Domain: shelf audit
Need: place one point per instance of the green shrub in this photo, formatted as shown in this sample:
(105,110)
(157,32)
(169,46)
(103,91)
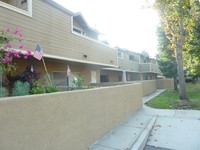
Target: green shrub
(3,92)
(37,88)
(21,88)
(78,80)
(51,89)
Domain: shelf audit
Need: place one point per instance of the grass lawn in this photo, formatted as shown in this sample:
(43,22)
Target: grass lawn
(169,99)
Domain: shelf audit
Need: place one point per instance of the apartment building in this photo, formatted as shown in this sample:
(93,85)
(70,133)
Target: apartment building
(131,67)
(65,37)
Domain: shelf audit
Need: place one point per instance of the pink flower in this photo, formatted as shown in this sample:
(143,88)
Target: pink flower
(28,52)
(25,56)
(21,46)
(16,54)
(21,35)
(8,54)
(17,30)
(8,30)
(8,46)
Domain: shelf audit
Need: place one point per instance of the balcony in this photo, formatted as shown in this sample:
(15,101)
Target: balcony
(129,65)
(149,67)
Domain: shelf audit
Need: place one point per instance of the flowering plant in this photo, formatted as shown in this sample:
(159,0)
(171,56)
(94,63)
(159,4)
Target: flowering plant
(7,52)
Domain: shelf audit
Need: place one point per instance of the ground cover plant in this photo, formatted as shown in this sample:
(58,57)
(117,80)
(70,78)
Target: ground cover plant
(169,99)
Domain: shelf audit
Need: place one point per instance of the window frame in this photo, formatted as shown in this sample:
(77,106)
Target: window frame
(131,57)
(18,10)
(122,55)
(81,32)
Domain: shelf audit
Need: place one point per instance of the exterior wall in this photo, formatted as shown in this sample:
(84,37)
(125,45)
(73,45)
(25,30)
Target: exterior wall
(145,67)
(138,64)
(65,120)
(95,52)
(149,67)
(149,76)
(126,64)
(131,76)
(113,76)
(165,83)
(148,86)
(155,68)
(51,27)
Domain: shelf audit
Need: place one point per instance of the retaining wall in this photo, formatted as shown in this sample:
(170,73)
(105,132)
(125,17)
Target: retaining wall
(65,120)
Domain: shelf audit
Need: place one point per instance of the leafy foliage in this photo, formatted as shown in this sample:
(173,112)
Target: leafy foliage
(192,58)
(78,80)
(37,88)
(166,58)
(28,75)
(51,89)
(3,92)
(21,88)
(178,18)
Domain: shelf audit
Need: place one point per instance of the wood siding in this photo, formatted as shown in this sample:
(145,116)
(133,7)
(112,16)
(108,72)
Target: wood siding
(137,64)
(126,64)
(51,27)
(149,67)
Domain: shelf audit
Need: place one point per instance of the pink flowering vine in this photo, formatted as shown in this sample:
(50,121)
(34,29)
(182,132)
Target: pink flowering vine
(7,53)
(21,46)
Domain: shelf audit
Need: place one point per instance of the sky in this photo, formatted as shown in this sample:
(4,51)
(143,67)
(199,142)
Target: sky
(122,22)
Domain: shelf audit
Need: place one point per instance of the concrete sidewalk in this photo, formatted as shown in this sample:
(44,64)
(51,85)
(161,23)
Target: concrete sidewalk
(154,129)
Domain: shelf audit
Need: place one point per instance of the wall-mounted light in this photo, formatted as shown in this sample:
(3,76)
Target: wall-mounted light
(84,56)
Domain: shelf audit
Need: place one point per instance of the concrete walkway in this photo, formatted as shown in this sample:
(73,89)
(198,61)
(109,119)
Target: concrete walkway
(154,129)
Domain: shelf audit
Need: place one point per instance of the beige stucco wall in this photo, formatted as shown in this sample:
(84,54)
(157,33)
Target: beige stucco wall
(65,120)
(165,83)
(148,86)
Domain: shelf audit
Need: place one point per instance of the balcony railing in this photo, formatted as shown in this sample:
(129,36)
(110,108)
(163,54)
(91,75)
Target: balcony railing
(149,67)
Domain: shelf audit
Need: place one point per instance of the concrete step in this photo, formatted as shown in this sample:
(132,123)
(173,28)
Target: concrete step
(132,134)
(142,140)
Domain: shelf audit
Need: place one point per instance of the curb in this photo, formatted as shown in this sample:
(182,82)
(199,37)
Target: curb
(141,141)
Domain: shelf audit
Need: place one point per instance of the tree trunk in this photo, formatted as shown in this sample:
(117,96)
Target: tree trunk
(182,89)
(179,45)
(175,84)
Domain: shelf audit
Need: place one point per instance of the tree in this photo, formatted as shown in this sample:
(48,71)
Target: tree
(177,24)
(192,58)
(166,58)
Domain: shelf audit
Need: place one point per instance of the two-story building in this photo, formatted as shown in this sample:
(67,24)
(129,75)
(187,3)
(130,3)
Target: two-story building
(65,38)
(132,66)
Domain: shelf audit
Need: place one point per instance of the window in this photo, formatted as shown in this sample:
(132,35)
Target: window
(104,78)
(120,55)
(77,30)
(59,79)
(131,57)
(20,6)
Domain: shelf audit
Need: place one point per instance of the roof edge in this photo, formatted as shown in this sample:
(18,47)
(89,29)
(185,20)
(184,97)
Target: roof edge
(91,28)
(60,7)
